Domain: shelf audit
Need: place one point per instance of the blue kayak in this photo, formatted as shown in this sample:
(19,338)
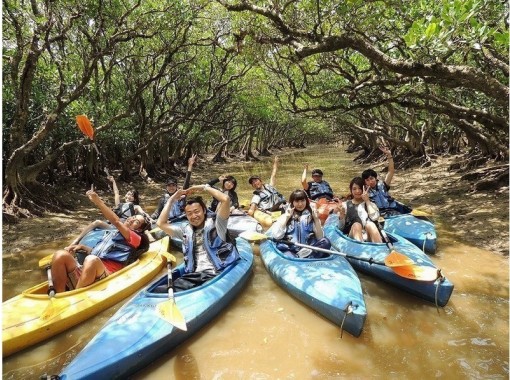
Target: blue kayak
(437,291)
(420,232)
(136,336)
(328,285)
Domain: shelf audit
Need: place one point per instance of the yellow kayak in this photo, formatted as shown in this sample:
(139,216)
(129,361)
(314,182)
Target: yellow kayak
(26,320)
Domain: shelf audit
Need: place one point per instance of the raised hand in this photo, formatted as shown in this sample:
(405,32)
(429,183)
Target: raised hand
(385,150)
(365,195)
(315,213)
(92,195)
(289,212)
(341,210)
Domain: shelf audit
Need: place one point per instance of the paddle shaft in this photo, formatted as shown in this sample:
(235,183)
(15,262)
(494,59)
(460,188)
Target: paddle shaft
(383,235)
(318,249)
(51,288)
(169,283)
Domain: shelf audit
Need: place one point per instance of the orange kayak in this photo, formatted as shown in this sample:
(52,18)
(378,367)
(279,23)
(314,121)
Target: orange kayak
(324,207)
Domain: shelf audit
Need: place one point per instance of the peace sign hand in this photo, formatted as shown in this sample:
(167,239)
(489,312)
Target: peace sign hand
(365,195)
(315,213)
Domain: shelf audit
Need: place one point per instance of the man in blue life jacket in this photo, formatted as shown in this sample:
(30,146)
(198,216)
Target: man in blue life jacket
(266,197)
(118,246)
(378,189)
(206,245)
(317,188)
(171,188)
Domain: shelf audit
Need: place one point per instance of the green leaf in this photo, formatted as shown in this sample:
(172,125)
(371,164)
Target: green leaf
(431,30)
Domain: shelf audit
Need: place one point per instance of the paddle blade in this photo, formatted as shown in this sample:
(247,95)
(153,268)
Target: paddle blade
(169,257)
(422,213)
(414,272)
(163,250)
(396,259)
(85,126)
(169,312)
(54,308)
(45,261)
(253,236)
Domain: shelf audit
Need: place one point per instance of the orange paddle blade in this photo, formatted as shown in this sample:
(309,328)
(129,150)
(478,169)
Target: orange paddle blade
(85,126)
(413,272)
(395,259)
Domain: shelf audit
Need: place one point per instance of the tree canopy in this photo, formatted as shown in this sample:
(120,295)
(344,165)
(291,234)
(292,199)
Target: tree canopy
(161,80)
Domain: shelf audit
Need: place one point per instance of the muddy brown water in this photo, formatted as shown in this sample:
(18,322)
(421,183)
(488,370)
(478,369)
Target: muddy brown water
(266,334)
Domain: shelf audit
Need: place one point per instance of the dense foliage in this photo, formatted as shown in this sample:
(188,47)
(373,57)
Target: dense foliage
(161,80)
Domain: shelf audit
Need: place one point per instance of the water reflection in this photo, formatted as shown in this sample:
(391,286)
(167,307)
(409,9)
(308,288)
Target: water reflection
(266,334)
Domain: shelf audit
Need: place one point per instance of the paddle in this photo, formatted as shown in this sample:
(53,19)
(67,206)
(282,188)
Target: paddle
(410,270)
(394,259)
(86,127)
(403,265)
(420,213)
(168,310)
(56,305)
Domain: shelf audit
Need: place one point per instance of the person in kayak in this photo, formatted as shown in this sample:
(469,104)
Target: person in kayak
(117,247)
(206,244)
(378,189)
(358,215)
(130,207)
(300,224)
(171,188)
(265,197)
(317,188)
(228,186)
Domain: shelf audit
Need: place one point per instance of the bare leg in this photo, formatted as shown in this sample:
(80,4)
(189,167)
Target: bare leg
(62,264)
(373,233)
(93,268)
(356,231)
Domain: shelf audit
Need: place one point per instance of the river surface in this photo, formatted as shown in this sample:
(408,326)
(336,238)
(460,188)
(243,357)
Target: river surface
(266,334)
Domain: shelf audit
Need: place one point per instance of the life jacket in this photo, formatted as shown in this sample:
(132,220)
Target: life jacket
(113,246)
(318,190)
(270,198)
(124,210)
(351,214)
(380,196)
(300,230)
(177,207)
(232,195)
(221,253)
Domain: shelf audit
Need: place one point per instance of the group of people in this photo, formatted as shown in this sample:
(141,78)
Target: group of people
(358,212)
(207,247)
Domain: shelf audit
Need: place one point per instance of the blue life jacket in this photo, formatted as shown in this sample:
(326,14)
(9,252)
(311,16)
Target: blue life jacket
(177,207)
(301,230)
(318,190)
(113,246)
(380,196)
(221,253)
(270,198)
